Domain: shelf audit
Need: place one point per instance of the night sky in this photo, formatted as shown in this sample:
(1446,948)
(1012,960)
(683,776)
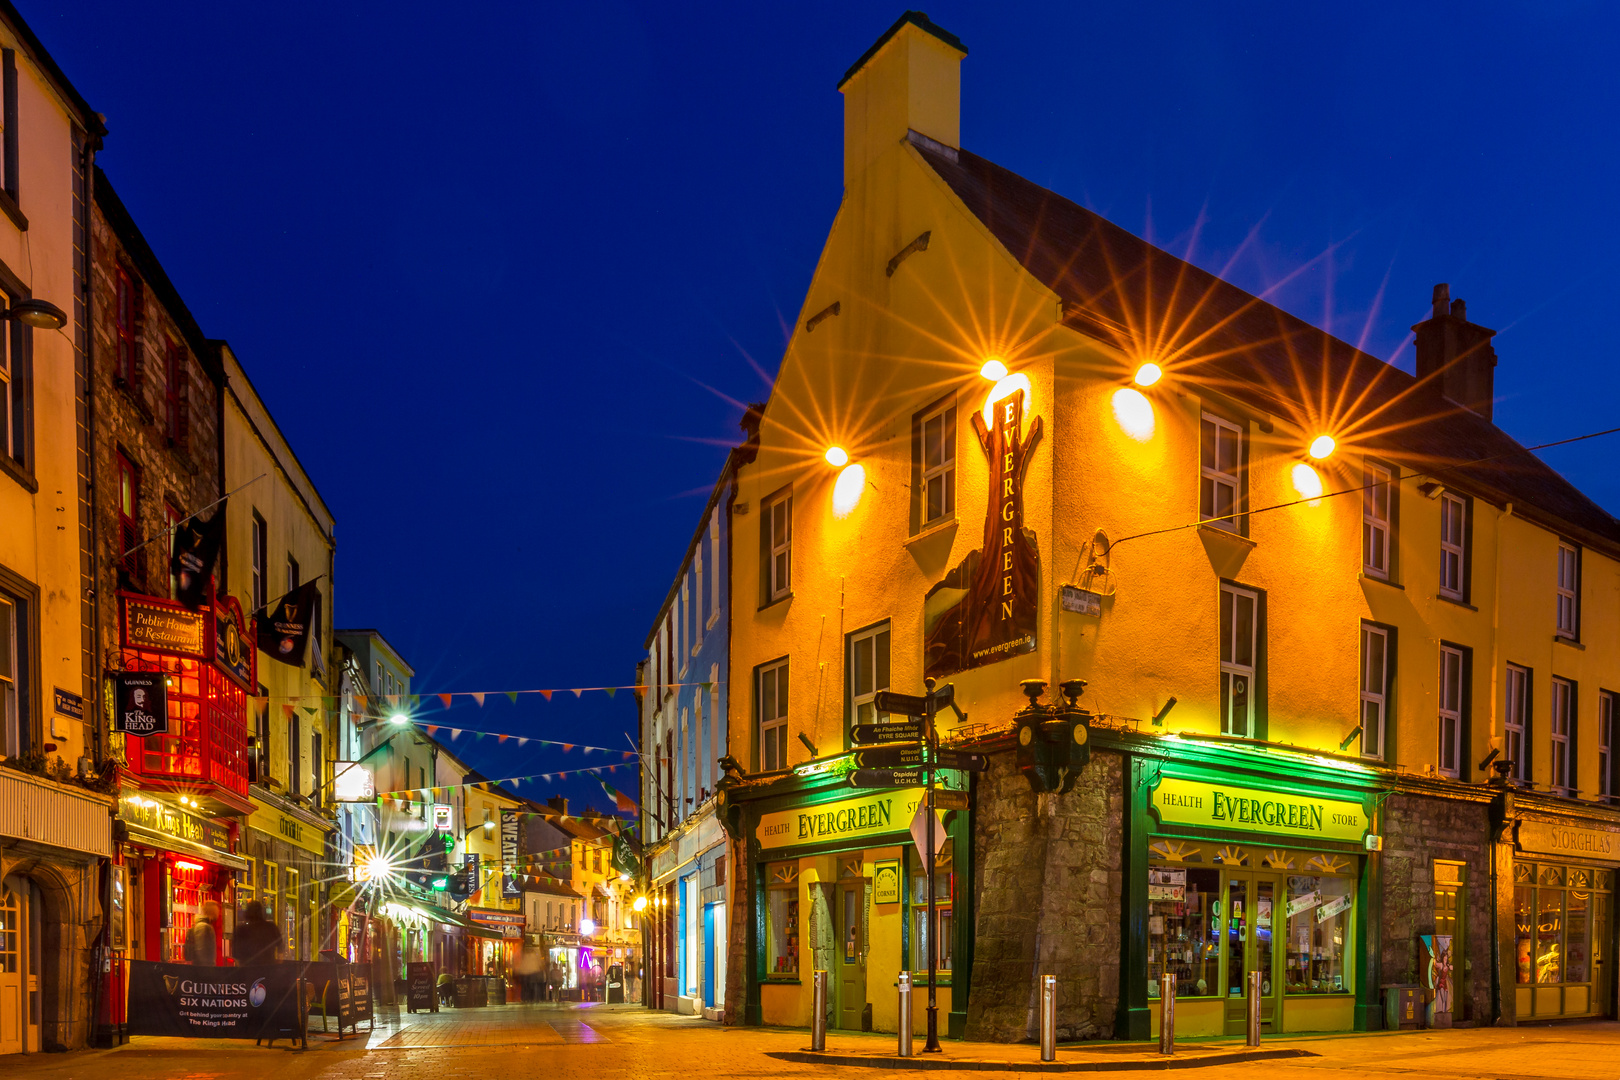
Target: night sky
(505,274)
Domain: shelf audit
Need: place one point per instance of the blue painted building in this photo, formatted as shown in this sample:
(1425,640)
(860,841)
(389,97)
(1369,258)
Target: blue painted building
(683,737)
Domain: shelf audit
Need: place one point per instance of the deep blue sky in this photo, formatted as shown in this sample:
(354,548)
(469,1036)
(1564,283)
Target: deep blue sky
(485,262)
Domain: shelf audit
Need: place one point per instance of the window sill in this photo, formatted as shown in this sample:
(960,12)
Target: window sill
(1454,600)
(714,621)
(13,211)
(1226,534)
(19,474)
(930,531)
(1381,581)
(779,600)
(1560,639)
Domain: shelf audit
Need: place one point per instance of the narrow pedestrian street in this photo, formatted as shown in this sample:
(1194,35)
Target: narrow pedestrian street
(564,1042)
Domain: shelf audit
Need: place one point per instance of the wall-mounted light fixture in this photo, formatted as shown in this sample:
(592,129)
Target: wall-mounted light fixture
(1148,374)
(1322,447)
(40,314)
(994,369)
(1164,711)
(836,456)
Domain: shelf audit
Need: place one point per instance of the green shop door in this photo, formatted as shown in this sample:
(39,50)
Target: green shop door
(849,964)
(1250,914)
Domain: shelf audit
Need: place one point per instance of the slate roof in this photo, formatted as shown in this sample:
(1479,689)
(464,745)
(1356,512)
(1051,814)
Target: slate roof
(1120,288)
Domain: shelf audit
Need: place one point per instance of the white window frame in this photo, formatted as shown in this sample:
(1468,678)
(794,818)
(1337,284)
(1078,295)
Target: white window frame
(1560,735)
(1516,721)
(1211,478)
(10,678)
(1374,691)
(260,544)
(10,436)
(1233,669)
(1450,694)
(779,546)
(714,570)
(1376,522)
(697,600)
(1605,744)
(944,472)
(1568,587)
(773,718)
(1453,545)
(858,697)
(682,603)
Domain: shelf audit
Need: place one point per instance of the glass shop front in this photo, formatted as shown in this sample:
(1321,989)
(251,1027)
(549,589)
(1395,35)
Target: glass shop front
(1279,897)
(1563,920)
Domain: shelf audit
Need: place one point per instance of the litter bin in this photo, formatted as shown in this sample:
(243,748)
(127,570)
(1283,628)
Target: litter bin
(1403,1006)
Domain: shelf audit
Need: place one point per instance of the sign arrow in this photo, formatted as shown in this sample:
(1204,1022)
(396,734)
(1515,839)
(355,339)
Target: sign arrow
(890,757)
(887,701)
(961,759)
(902,731)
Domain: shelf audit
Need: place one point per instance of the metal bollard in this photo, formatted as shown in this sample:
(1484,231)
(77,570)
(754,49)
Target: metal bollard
(1048,1017)
(1254,1009)
(1167,1013)
(818,1011)
(905,1014)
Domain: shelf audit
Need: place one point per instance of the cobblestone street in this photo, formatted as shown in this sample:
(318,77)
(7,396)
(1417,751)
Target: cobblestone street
(546,1042)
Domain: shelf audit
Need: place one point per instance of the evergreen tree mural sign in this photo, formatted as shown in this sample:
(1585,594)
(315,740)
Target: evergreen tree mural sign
(984,610)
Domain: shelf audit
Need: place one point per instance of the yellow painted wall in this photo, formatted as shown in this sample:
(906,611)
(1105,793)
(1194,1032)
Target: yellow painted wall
(297,523)
(39,529)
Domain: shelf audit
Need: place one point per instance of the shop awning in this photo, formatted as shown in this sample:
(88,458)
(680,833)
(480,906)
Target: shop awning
(475,930)
(180,846)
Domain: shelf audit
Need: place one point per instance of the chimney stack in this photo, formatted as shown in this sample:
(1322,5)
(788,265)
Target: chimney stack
(558,803)
(910,80)
(1454,357)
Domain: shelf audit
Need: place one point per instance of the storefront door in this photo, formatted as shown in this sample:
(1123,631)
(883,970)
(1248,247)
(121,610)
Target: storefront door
(19,966)
(851,957)
(1250,913)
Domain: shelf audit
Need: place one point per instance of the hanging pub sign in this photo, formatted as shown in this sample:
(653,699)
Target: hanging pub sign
(985,608)
(511,853)
(284,633)
(231,654)
(163,627)
(142,703)
(196,546)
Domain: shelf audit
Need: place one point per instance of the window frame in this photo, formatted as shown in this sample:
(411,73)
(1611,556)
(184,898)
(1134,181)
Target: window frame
(1373,526)
(126,307)
(173,516)
(1457,713)
(1524,700)
(259,543)
(127,477)
(1231,668)
(173,396)
(773,590)
(17,403)
(1381,695)
(765,728)
(853,698)
(944,411)
(1561,743)
(1457,550)
(11,168)
(16,705)
(1608,717)
(1568,595)
(1211,474)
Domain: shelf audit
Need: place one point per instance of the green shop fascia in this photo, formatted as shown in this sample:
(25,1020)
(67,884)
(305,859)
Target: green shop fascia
(1239,859)
(835,882)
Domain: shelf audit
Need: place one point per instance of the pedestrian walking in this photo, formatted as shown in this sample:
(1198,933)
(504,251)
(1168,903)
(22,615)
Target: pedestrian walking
(257,941)
(202,940)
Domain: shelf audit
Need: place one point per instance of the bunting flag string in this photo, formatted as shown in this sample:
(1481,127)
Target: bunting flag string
(432,793)
(522,740)
(478,696)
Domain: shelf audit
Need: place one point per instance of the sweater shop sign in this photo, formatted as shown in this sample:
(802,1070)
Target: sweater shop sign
(985,608)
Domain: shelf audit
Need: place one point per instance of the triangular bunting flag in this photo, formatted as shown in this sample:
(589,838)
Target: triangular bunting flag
(546,694)
(610,690)
(455,733)
(501,739)
(511,695)
(431,729)
(579,693)
(445,698)
(416,699)
(312,709)
(480,699)
(522,741)
(289,711)
(567,746)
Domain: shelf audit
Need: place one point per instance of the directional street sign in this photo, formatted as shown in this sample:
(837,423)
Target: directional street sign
(901,731)
(890,757)
(950,800)
(961,759)
(888,778)
(887,701)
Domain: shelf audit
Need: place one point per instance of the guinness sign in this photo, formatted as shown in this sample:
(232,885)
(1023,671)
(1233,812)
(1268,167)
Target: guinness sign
(143,703)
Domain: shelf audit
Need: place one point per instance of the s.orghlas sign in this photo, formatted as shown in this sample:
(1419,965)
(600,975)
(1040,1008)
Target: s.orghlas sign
(985,608)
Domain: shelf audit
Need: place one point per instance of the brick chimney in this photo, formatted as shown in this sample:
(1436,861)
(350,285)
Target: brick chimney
(1459,351)
(558,803)
(911,79)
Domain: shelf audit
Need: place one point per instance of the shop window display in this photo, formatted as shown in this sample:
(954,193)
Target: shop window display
(917,901)
(1561,916)
(1318,929)
(1183,917)
(782,918)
